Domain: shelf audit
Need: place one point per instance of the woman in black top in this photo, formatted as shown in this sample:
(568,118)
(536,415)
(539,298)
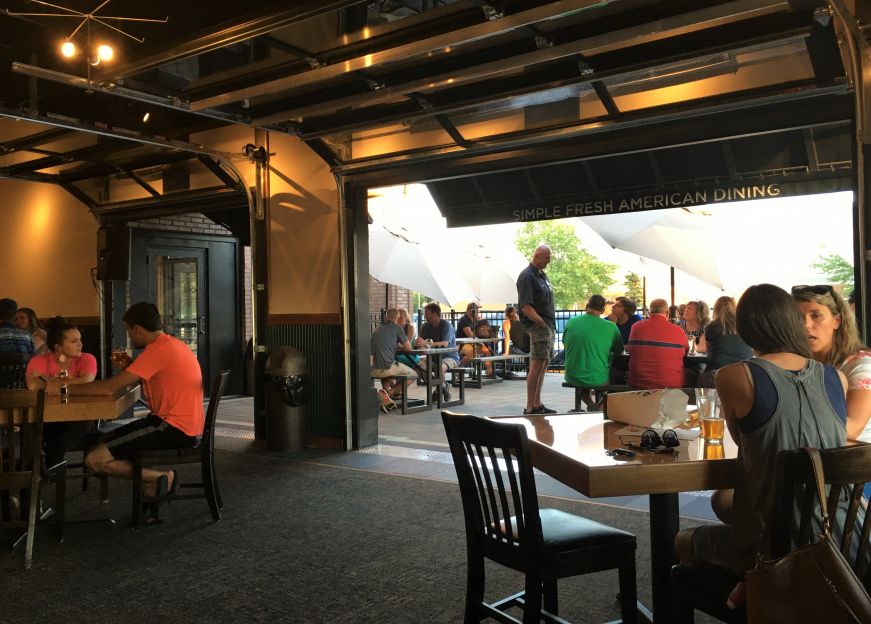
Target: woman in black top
(721,341)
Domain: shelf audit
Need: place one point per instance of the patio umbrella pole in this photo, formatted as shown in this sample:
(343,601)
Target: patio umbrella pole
(672,286)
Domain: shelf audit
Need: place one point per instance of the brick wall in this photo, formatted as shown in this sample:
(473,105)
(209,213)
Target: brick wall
(383,296)
(194,222)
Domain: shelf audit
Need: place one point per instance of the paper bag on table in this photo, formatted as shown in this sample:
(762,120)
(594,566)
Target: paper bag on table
(661,409)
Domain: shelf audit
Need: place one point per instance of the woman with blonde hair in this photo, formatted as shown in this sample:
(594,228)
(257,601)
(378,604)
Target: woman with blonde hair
(696,316)
(721,341)
(834,340)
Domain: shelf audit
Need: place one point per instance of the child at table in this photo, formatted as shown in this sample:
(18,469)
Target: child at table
(469,351)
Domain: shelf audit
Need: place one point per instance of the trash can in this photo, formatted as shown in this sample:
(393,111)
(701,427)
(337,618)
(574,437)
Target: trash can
(287,392)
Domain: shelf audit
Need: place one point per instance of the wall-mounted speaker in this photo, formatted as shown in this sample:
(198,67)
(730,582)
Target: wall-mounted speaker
(113,253)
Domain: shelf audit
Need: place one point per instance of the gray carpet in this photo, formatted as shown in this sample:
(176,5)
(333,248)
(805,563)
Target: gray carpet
(299,542)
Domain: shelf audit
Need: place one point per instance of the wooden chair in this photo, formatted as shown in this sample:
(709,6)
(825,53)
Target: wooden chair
(21,468)
(203,453)
(505,524)
(847,470)
(12,376)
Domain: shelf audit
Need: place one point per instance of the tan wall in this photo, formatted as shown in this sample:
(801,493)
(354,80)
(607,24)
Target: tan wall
(48,244)
(304,259)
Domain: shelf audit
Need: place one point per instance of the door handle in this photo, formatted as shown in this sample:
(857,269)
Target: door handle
(202,325)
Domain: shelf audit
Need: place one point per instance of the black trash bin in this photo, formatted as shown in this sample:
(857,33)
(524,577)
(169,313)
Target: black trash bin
(287,392)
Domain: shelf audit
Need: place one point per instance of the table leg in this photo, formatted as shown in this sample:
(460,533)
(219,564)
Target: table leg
(429,364)
(437,362)
(664,524)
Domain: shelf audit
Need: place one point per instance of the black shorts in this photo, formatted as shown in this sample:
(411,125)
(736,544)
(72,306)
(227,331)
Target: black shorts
(145,434)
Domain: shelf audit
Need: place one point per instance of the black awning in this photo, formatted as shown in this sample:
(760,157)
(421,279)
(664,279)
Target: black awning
(794,162)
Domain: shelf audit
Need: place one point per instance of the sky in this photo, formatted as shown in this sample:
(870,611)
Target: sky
(769,240)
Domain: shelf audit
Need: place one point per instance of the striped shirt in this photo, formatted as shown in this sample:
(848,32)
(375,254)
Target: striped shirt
(656,351)
(16,345)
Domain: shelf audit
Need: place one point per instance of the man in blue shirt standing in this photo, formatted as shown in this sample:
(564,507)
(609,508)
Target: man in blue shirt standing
(535,297)
(442,334)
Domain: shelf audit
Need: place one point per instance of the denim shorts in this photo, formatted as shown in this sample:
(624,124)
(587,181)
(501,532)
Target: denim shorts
(541,342)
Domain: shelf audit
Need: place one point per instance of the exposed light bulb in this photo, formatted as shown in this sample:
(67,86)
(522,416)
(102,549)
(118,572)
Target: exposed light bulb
(68,49)
(146,117)
(105,52)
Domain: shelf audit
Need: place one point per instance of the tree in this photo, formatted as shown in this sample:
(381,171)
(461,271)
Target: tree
(634,290)
(574,273)
(836,269)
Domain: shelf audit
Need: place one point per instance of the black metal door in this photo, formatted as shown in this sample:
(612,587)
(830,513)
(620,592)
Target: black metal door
(177,284)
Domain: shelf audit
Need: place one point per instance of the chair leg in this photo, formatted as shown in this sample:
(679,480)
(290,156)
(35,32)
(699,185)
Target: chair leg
(684,611)
(104,488)
(208,476)
(532,599)
(628,590)
(474,587)
(137,493)
(551,596)
(217,489)
(31,524)
(60,504)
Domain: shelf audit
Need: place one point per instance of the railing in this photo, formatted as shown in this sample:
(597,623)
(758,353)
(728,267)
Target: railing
(495,318)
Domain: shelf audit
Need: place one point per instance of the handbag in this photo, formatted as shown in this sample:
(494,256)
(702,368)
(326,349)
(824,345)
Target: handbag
(814,583)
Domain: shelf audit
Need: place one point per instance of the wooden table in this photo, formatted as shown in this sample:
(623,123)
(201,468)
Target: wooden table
(571,449)
(90,407)
(433,357)
(689,360)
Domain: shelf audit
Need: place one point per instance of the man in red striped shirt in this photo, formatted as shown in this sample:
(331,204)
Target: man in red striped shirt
(656,350)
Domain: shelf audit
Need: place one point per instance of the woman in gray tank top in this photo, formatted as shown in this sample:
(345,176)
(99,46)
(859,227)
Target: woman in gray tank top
(781,400)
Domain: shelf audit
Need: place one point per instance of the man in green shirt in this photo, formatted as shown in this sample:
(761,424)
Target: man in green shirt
(591,343)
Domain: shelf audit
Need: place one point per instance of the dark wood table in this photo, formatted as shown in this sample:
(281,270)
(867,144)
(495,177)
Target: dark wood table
(433,357)
(689,360)
(571,449)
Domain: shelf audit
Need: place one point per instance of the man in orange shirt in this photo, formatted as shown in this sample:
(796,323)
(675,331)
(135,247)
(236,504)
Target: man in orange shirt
(173,386)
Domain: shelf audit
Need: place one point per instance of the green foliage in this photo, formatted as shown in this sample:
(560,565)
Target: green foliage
(836,269)
(634,289)
(574,273)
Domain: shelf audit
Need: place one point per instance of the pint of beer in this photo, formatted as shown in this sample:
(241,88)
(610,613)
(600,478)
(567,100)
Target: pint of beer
(710,418)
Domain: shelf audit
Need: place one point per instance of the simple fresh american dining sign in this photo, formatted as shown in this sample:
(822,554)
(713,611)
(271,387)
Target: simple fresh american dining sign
(652,201)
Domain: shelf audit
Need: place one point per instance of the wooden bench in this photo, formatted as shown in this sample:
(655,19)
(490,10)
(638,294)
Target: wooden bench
(478,379)
(599,393)
(406,405)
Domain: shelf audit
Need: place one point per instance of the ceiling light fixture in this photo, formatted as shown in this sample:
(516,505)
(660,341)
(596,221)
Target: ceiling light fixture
(103,52)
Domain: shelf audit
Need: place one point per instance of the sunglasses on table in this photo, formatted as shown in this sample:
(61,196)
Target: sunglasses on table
(651,441)
(820,289)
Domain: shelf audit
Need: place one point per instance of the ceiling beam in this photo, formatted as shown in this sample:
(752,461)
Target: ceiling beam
(260,23)
(32,140)
(623,39)
(667,128)
(373,60)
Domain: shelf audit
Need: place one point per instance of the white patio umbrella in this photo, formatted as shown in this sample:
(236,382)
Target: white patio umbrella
(676,237)
(425,267)
(492,278)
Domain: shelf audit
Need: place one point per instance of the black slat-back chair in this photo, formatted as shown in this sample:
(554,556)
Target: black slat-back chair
(846,471)
(505,524)
(12,376)
(21,469)
(203,453)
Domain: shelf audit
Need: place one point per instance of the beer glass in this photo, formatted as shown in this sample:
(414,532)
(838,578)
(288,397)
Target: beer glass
(713,426)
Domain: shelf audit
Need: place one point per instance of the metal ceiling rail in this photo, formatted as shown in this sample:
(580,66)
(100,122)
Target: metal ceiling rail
(70,123)
(358,120)
(266,21)
(550,11)
(23,144)
(678,116)
(78,82)
(720,15)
